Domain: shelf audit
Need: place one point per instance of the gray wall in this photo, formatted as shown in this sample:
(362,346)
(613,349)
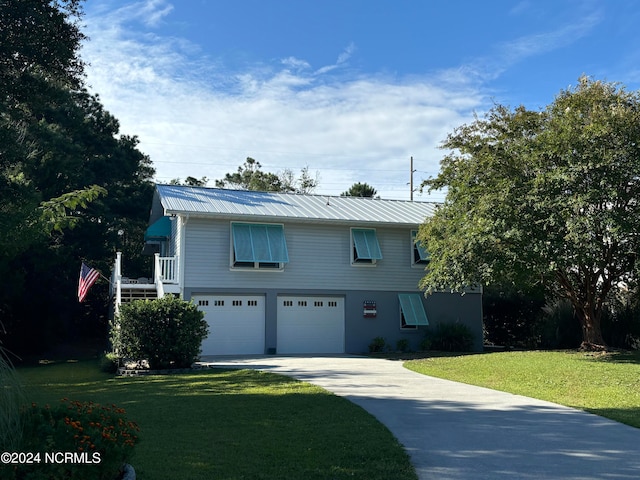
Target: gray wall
(360,331)
(319,264)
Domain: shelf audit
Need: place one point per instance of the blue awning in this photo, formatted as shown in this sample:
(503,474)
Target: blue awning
(366,243)
(160,229)
(424,255)
(259,243)
(413,309)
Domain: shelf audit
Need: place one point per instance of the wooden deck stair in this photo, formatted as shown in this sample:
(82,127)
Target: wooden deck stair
(128,293)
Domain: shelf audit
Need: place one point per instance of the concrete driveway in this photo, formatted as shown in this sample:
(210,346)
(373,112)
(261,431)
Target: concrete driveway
(454,431)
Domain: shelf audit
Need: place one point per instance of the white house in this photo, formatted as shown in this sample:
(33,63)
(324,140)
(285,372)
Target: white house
(289,273)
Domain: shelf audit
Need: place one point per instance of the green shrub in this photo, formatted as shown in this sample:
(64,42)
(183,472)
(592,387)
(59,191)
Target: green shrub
(451,337)
(109,362)
(167,332)
(560,327)
(100,438)
(425,344)
(402,345)
(377,345)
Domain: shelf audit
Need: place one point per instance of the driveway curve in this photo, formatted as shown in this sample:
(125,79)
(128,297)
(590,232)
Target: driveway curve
(454,431)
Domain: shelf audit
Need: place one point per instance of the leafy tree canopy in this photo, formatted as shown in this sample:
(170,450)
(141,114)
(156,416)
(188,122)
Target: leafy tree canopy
(250,177)
(547,196)
(62,165)
(191,181)
(360,190)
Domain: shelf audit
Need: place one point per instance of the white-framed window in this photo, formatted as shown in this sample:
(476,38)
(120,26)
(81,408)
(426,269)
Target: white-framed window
(419,255)
(258,246)
(365,249)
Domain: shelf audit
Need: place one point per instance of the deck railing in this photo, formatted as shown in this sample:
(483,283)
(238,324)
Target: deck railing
(165,271)
(168,269)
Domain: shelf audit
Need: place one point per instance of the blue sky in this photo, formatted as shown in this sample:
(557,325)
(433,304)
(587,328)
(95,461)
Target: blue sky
(350,89)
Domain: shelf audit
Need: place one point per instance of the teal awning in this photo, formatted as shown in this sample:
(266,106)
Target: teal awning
(424,255)
(413,309)
(259,243)
(366,243)
(161,228)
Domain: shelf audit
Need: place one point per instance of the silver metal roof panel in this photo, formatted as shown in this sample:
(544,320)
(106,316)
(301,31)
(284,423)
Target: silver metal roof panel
(255,206)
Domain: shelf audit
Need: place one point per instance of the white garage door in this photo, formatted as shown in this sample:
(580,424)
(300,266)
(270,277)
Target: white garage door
(236,324)
(310,324)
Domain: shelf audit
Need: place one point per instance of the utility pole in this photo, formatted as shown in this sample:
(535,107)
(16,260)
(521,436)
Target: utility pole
(411,181)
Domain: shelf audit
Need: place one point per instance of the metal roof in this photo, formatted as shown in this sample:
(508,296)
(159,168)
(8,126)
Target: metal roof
(256,206)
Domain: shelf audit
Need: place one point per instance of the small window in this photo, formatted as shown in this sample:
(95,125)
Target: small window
(419,254)
(365,249)
(203,303)
(318,303)
(218,303)
(288,303)
(236,303)
(252,303)
(332,304)
(302,303)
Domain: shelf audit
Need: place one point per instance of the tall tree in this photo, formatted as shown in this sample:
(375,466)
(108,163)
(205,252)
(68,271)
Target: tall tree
(62,164)
(303,184)
(39,41)
(360,190)
(550,196)
(251,177)
(190,181)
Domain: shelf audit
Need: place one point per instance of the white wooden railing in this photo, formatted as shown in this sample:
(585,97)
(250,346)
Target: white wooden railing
(167,268)
(117,282)
(165,271)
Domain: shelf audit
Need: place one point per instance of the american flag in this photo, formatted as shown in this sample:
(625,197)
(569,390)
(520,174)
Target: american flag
(88,277)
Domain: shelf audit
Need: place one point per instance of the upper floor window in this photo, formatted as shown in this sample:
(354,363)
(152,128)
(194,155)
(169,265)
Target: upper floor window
(258,246)
(365,249)
(419,254)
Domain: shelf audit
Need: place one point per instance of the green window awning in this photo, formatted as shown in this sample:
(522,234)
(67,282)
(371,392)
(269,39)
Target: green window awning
(413,309)
(161,228)
(259,243)
(366,244)
(422,252)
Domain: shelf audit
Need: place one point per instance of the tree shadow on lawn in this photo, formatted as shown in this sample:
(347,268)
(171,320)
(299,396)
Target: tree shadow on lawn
(622,356)
(235,424)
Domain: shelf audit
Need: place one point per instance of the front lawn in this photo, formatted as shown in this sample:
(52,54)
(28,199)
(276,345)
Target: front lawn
(604,384)
(233,424)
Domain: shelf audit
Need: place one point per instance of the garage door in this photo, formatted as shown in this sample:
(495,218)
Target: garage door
(310,324)
(236,324)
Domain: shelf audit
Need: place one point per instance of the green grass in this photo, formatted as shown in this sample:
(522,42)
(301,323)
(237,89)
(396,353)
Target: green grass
(233,424)
(604,384)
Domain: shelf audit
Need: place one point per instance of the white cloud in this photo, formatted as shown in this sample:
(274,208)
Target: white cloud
(520,49)
(196,118)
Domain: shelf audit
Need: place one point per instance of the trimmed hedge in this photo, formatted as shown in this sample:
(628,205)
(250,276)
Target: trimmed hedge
(167,332)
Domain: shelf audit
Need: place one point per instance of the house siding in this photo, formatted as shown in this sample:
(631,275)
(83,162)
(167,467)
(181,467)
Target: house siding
(319,257)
